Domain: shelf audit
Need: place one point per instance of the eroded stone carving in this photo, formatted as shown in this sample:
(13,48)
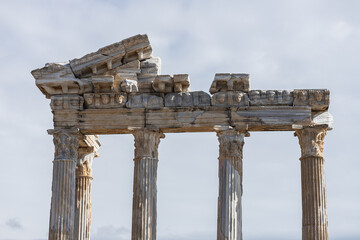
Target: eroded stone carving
(67,102)
(230,82)
(163,84)
(84,164)
(181,83)
(150,68)
(66,143)
(187,99)
(129,86)
(318,99)
(98,62)
(311,141)
(103,83)
(146,143)
(112,56)
(230,99)
(271,97)
(137,47)
(145,101)
(57,78)
(105,100)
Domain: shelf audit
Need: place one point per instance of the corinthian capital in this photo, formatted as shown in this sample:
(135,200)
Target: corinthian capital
(231,144)
(311,140)
(84,164)
(66,143)
(146,143)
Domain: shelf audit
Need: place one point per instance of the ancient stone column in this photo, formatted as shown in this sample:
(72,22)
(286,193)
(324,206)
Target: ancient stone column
(83,193)
(229,223)
(314,213)
(63,184)
(145,174)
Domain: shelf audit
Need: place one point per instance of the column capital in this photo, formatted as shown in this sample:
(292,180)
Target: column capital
(311,140)
(230,143)
(66,142)
(146,143)
(84,162)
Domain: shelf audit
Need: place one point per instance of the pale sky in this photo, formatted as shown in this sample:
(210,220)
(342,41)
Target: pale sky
(290,44)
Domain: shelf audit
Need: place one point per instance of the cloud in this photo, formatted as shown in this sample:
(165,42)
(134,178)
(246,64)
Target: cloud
(14,223)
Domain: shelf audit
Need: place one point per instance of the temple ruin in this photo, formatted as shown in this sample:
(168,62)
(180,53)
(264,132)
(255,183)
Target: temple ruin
(119,90)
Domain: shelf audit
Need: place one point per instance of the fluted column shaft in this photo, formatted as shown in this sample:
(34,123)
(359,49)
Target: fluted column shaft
(145,190)
(229,224)
(62,211)
(314,212)
(83,194)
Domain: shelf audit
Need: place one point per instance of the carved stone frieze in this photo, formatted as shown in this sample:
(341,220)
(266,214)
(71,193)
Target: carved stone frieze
(145,100)
(230,99)
(67,102)
(187,99)
(311,141)
(318,99)
(271,97)
(230,82)
(105,100)
(66,143)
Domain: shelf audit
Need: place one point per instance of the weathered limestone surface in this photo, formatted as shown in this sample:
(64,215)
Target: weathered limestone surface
(88,147)
(224,82)
(119,89)
(62,213)
(145,190)
(229,224)
(314,217)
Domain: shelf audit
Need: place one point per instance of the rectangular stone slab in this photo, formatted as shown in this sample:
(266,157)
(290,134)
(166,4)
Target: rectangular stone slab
(207,119)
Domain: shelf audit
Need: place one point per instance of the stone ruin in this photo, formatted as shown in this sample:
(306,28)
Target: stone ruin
(119,90)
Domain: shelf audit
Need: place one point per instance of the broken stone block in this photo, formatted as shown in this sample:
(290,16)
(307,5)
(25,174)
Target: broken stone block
(103,84)
(99,62)
(163,84)
(230,82)
(57,78)
(181,83)
(137,48)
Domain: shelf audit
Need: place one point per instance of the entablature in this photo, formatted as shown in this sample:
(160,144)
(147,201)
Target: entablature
(120,87)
